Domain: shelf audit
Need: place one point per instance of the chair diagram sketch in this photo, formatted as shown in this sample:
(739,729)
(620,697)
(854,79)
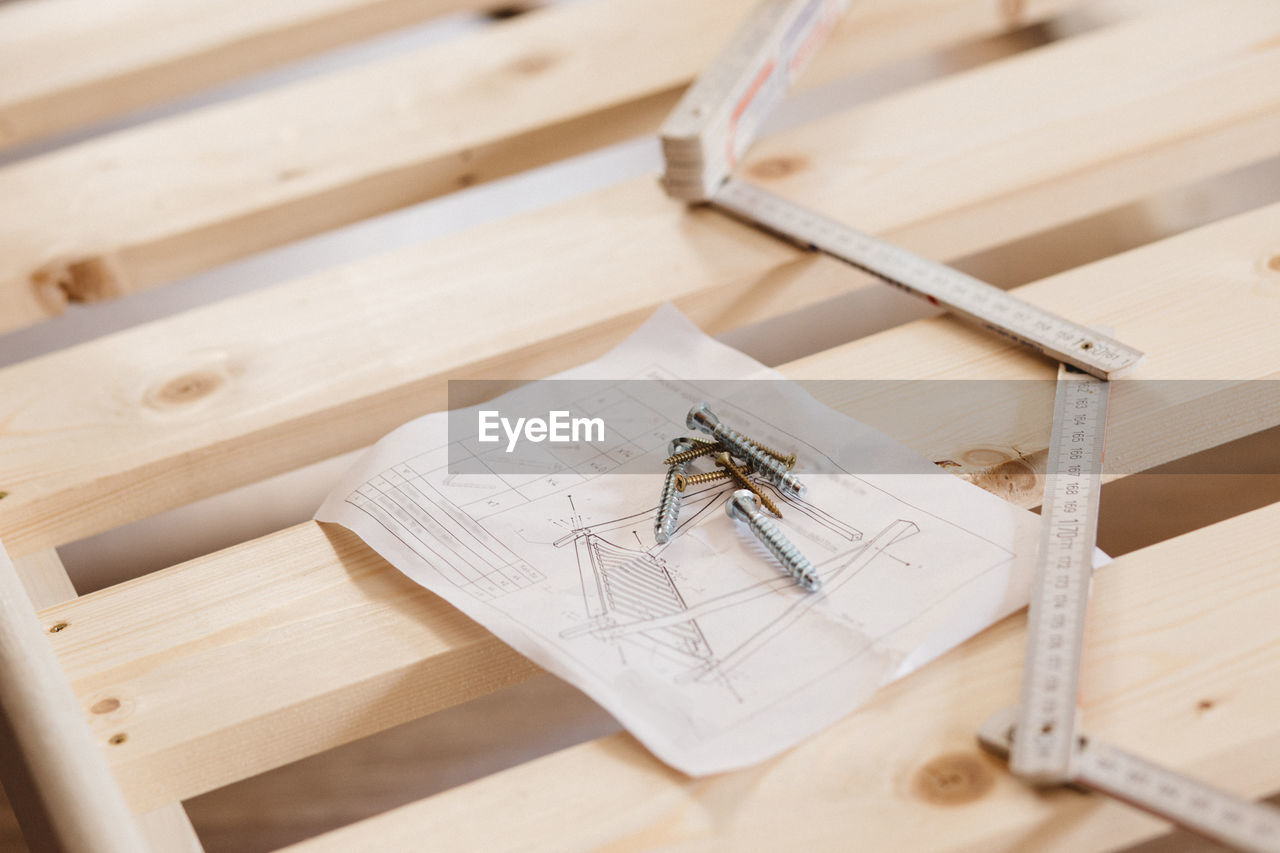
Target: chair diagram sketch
(701,646)
(630,595)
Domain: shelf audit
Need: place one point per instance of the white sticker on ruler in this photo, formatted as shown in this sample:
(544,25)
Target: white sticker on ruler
(721,113)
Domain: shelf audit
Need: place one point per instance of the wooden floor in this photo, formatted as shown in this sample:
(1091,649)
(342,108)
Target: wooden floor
(1171,110)
(447,749)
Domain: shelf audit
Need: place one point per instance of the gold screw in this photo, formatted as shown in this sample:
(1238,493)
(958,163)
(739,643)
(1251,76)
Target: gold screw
(703,449)
(683,481)
(788,459)
(740,477)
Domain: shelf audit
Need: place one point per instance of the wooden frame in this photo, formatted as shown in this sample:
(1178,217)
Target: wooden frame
(177,682)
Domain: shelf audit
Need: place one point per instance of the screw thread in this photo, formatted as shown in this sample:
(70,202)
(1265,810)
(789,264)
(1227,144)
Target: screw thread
(693,453)
(770,468)
(793,562)
(740,477)
(685,481)
(788,459)
(664,525)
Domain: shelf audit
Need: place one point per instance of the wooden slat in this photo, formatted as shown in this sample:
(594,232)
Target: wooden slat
(66,63)
(84,809)
(164,414)
(176,196)
(166,828)
(46,584)
(905,773)
(303,640)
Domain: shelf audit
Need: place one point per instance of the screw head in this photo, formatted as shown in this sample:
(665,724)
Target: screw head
(680,445)
(742,505)
(701,417)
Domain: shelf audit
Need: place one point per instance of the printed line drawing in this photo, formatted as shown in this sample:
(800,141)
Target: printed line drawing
(621,602)
(630,595)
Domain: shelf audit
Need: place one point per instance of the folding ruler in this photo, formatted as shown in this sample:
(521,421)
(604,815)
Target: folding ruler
(1181,800)
(702,141)
(718,118)
(1041,736)
(1045,750)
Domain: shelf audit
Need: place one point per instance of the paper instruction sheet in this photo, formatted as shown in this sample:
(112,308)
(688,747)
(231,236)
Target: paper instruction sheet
(701,647)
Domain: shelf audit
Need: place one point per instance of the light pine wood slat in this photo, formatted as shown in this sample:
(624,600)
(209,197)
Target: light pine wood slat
(164,414)
(904,773)
(70,781)
(67,63)
(288,645)
(165,828)
(176,196)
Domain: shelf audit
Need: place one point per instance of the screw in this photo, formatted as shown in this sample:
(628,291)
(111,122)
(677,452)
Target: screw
(744,507)
(685,481)
(788,459)
(664,524)
(698,447)
(740,477)
(701,417)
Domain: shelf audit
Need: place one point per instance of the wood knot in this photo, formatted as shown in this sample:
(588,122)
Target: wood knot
(1011,479)
(1012,11)
(1273,263)
(533,64)
(78,280)
(985,457)
(1205,705)
(773,168)
(109,709)
(186,389)
(508,11)
(953,779)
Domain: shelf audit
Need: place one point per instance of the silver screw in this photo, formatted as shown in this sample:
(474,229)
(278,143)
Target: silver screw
(664,525)
(744,507)
(701,417)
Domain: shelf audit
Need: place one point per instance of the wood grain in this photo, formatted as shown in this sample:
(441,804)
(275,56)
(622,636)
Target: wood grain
(68,63)
(185,193)
(161,415)
(287,645)
(79,804)
(905,773)
(165,828)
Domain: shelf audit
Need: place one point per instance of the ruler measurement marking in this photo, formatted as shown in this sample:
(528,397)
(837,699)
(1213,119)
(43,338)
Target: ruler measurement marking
(1204,809)
(964,295)
(1201,808)
(1064,572)
(701,141)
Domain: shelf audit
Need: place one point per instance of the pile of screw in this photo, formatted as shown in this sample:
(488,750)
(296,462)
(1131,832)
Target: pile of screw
(727,445)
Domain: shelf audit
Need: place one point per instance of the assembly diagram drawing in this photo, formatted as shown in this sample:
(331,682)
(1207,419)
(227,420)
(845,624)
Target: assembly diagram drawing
(630,596)
(700,646)
(709,607)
